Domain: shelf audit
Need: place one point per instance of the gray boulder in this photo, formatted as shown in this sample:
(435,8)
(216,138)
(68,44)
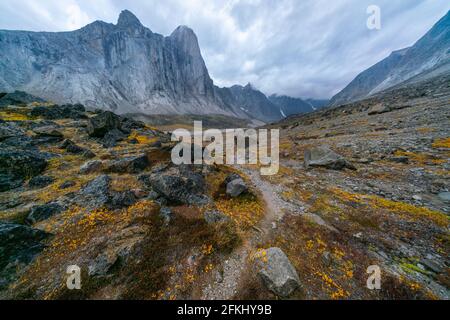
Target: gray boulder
(40,181)
(277,272)
(112,137)
(236,187)
(91,167)
(95,194)
(99,125)
(180,186)
(379,109)
(43,212)
(324,157)
(19,245)
(129,165)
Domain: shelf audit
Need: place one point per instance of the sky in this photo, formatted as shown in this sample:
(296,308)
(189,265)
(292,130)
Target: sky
(300,48)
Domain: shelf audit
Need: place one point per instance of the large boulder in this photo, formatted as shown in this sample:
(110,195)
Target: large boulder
(215,216)
(325,157)
(236,187)
(47,134)
(40,181)
(43,212)
(129,165)
(180,186)
(91,167)
(379,109)
(99,125)
(95,194)
(19,244)
(277,272)
(112,137)
(19,164)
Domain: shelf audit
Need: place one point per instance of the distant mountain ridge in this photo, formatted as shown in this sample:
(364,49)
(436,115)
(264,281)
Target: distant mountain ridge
(125,68)
(428,57)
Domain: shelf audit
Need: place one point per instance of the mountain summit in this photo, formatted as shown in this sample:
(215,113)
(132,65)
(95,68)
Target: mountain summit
(430,56)
(125,68)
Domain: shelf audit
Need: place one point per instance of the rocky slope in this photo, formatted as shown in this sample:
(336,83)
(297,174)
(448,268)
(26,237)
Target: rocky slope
(428,57)
(359,185)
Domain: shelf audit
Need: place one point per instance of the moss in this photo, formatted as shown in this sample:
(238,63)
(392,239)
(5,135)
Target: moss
(441,143)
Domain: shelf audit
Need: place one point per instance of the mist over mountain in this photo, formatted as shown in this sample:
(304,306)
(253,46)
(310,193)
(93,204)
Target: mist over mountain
(428,57)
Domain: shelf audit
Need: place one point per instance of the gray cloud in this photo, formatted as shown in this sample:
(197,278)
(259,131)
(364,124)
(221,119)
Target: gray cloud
(303,48)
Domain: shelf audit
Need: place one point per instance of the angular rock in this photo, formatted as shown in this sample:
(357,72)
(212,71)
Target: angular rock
(18,164)
(277,272)
(43,212)
(379,109)
(19,245)
(324,157)
(95,193)
(67,111)
(166,214)
(122,199)
(40,181)
(9,130)
(112,137)
(180,186)
(236,187)
(129,165)
(91,167)
(99,125)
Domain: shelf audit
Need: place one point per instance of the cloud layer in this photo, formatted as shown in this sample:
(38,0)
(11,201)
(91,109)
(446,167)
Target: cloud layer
(302,48)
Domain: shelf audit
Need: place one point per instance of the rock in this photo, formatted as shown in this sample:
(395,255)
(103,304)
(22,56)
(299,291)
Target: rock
(67,184)
(67,111)
(277,272)
(19,245)
(127,125)
(444,196)
(99,125)
(9,130)
(112,137)
(73,148)
(379,109)
(231,177)
(91,167)
(180,186)
(40,181)
(432,265)
(129,165)
(166,214)
(399,159)
(122,199)
(324,157)
(236,187)
(88,154)
(9,182)
(43,212)
(95,193)
(18,165)
(18,98)
(48,131)
(215,216)
(417,197)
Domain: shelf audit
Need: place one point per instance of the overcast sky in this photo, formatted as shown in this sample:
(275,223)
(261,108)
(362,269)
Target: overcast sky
(302,48)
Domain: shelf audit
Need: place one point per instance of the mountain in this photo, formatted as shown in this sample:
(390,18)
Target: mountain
(290,106)
(318,103)
(428,57)
(125,68)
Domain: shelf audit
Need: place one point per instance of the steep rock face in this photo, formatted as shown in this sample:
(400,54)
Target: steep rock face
(430,56)
(123,67)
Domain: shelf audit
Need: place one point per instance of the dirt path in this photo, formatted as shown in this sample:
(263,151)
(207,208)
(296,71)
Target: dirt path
(226,286)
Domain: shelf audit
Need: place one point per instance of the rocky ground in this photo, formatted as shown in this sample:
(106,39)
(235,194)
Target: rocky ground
(360,185)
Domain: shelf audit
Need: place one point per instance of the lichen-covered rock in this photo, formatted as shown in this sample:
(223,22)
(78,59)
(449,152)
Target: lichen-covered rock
(43,212)
(91,167)
(95,193)
(19,244)
(129,165)
(325,157)
(112,137)
(236,187)
(277,272)
(215,216)
(40,181)
(99,125)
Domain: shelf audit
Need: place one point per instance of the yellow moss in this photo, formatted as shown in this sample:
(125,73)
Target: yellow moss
(13,116)
(442,143)
(245,211)
(402,207)
(141,139)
